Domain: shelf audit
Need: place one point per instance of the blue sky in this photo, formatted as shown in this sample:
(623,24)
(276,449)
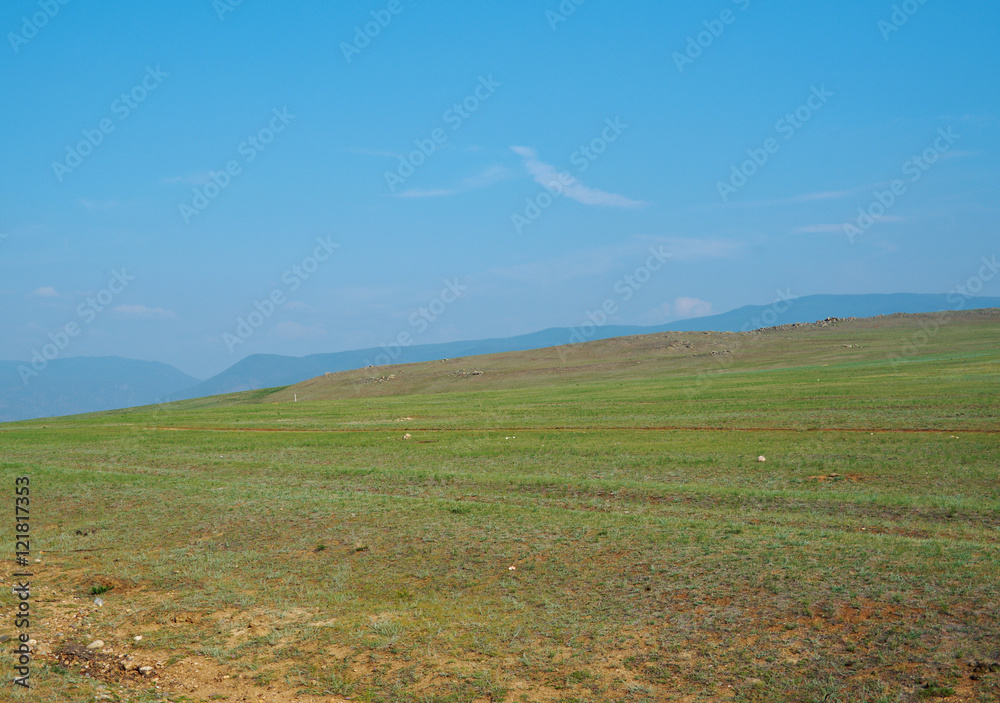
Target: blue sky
(633,115)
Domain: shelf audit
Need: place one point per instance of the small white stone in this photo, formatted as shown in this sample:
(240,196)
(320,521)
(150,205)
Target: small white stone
(761,458)
(96,644)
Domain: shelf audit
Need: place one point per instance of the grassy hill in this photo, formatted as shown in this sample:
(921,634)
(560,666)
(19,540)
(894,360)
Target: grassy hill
(584,523)
(269,370)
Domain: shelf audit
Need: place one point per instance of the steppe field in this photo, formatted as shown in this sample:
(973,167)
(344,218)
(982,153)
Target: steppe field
(589,523)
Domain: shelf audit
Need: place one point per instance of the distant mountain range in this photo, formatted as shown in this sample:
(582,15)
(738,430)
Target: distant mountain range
(85,384)
(78,385)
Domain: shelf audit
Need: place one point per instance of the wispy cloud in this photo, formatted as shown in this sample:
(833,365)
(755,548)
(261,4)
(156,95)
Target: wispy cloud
(45,292)
(820,229)
(294,330)
(692,249)
(192,179)
(428,193)
(834,228)
(493,174)
(103,205)
(605,260)
(381,153)
(547,176)
(691,307)
(796,199)
(141,312)
(958,155)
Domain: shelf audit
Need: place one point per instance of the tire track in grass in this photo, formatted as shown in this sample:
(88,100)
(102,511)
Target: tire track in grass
(870,430)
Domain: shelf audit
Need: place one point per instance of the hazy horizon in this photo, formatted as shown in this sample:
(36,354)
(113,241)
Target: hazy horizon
(344,175)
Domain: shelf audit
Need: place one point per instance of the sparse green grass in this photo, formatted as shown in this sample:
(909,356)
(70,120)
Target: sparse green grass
(850,565)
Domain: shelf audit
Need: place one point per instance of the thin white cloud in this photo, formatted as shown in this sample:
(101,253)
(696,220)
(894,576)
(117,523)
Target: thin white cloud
(141,312)
(193,179)
(104,205)
(588,262)
(833,228)
(381,153)
(691,307)
(795,199)
(958,155)
(427,193)
(693,249)
(604,260)
(294,330)
(548,177)
(45,292)
(820,229)
(822,195)
(491,175)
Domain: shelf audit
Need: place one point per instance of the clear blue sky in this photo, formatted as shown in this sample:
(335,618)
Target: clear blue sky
(184,89)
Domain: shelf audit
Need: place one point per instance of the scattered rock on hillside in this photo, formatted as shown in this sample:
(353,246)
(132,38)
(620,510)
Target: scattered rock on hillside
(462,373)
(794,325)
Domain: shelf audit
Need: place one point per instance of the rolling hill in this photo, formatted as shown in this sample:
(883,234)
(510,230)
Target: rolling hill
(800,513)
(80,385)
(269,370)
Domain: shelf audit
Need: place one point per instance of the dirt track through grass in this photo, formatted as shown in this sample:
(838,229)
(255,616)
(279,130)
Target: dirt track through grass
(654,557)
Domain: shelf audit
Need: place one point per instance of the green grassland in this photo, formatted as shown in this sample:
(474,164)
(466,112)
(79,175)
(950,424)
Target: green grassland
(586,523)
